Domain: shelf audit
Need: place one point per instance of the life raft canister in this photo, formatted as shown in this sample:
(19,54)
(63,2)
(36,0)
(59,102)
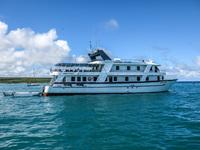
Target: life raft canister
(89,78)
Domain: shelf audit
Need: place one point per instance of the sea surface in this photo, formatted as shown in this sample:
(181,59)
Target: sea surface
(160,121)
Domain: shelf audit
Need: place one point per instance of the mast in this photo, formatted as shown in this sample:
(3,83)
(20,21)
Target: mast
(34,74)
(99,40)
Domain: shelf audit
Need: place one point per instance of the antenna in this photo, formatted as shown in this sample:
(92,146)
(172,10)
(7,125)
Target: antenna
(93,37)
(91,47)
(34,74)
(99,39)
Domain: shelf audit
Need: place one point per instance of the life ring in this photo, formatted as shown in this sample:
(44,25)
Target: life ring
(89,78)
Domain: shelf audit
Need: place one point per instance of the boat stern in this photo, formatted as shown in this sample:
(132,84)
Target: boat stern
(45,90)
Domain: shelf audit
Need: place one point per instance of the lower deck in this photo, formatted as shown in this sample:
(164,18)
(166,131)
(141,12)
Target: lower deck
(108,88)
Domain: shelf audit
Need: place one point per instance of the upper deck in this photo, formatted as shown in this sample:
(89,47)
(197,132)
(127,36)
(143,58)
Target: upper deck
(77,67)
(96,65)
(102,70)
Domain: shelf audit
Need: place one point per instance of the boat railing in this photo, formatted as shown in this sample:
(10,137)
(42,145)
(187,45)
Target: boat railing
(162,71)
(76,70)
(130,60)
(77,67)
(158,71)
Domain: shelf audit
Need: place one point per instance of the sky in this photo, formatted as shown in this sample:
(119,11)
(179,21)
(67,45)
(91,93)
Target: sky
(39,33)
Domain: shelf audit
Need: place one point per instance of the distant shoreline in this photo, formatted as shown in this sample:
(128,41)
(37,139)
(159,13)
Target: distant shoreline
(24,80)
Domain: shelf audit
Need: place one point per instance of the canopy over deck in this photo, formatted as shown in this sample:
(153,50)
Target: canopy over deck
(77,65)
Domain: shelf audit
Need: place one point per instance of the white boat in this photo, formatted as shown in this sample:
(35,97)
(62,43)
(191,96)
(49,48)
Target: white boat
(107,76)
(27,94)
(8,93)
(32,84)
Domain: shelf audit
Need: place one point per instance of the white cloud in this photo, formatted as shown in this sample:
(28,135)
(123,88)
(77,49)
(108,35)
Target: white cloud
(112,24)
(21,49)
(182,71)
(177,69)
(197,61)
(82,59)
(3,28)
(19,70)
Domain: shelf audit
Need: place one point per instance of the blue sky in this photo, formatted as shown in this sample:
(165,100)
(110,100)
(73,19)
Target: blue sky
(167,31)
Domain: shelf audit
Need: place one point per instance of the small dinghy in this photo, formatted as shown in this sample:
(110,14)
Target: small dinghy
(27,93)
(22,94)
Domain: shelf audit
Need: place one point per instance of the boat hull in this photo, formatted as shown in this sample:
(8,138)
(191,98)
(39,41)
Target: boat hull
(16,94)
(8,93)
(32,84)
(108,88)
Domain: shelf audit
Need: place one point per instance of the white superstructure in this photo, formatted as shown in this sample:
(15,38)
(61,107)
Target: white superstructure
(107,76)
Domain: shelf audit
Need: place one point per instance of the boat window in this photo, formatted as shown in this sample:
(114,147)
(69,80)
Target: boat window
(95,78)
(158,78)
(78,78)
(106,80)
(162,77)
(110,79)
(156,69)
(151,69)
(84,78)
(117,67)
(72,78)
(138,78)
(115,78)
(64,79)
(126,78)
(147,78)
(138,67)
(128,68)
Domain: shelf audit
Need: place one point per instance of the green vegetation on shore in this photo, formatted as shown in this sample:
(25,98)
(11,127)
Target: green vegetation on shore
(23,80)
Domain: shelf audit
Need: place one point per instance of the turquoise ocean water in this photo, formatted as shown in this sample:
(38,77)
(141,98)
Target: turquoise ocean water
(162,121)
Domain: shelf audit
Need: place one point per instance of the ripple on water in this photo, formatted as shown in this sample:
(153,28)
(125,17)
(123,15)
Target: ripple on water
(168,120)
